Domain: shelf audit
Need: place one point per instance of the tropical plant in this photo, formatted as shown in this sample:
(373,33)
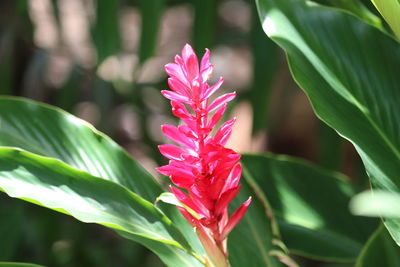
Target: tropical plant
(345,57)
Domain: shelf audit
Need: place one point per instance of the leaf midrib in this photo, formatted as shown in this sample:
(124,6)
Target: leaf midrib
(336,81)
(163,242)
(264,203)
(58,162)
(162,239)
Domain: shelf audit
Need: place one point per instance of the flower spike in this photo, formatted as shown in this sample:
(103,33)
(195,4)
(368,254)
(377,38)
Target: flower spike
(208,172)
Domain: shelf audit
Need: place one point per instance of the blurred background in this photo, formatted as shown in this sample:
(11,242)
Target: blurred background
(103,60)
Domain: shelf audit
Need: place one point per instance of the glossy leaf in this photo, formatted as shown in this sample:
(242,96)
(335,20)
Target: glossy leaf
(170,198)
(176,217)
(51,132)
(359,9)
(55,185)
(348,70)
(311,206)
(171,256)
(25,124)
(390,10)
(380,250)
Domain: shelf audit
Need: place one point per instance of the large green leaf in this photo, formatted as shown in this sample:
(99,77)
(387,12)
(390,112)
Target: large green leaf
(349,70)
(380,250)
(311,206)
(51,132)
(26,124)
(53,184)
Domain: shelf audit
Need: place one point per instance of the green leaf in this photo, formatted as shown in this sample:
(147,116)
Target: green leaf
(151,11)
(51,132)
(254,241)
(390,10)
(169,255)
(18,264)
(170,198)
(376,204)
(310,204)
(256,230)
(359,9)
(106,33)
(380,250)
(204,25)
(330,147)
(348,69)
(53,184)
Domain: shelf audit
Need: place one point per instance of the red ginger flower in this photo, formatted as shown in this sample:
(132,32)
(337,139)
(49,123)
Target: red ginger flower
(201,165)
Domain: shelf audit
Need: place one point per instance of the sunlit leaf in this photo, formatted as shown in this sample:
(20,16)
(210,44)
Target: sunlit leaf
(348,69)
(390,10)
(359,9)
(311,207)
(51,132)
(170,198)
(55,185)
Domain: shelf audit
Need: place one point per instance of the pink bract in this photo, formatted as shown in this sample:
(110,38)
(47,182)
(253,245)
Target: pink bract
(208,172)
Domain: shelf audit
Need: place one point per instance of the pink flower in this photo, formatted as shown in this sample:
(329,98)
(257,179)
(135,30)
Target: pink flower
(208,172)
